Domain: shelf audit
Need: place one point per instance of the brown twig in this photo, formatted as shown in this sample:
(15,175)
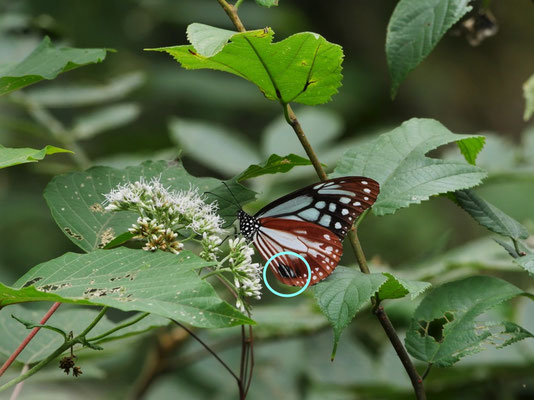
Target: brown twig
(292,120)
(25,342)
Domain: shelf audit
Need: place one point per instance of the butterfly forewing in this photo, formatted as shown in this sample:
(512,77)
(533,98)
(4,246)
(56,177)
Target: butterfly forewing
(320,247)
(334,204)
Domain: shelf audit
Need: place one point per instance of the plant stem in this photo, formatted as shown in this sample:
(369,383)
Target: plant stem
(95,321)
(292,120)
(237,4)
(119,327)
(231,11)
(417,381)
(25,342)
(427,370)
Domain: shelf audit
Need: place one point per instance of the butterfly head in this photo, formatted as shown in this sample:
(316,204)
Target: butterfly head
(248,225)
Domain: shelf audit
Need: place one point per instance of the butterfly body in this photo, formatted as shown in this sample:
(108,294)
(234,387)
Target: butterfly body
(311,222)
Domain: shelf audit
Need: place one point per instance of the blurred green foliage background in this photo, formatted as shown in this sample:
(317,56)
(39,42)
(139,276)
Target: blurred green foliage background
(138,105)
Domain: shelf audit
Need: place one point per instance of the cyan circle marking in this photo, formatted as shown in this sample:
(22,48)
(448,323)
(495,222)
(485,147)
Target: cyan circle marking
(283,294)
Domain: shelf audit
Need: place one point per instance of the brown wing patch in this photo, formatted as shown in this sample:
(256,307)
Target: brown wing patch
(321,248)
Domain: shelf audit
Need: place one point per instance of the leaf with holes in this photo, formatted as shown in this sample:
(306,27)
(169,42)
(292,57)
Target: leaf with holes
(160,283)
(445,327)
(47,62)
(396,288)
(490,216)
(414,29)
(274,165)
(75,199)
(397,161)
(304,68)
(343,294)
(10,157)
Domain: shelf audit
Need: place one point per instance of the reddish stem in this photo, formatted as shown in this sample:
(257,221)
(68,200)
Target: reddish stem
(25,342)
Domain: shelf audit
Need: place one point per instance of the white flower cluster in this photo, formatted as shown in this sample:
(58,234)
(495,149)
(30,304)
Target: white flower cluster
(163,213)
(246,274)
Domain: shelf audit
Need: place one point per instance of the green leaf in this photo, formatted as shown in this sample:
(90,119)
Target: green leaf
(397,161)
(47,62)
(75,199)
(414,30)
(445,328)
(528,94)
(208,40)
(396,288)
(80,95)
(471,147)
(129,280)
(104,119)
(73,319)
(10,157)
(213,145)
(343,294)
(490,216)
(303,68)
(527,263)
(274,165)
(267,3)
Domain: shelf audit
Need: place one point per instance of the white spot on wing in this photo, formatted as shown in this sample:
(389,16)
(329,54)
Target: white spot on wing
(337,225)
(332,207)
(344,211)
(325,220)
(344,200)
(367,190)
(320,205)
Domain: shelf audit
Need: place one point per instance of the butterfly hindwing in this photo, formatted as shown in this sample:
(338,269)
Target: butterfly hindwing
(320,247)
(334,204)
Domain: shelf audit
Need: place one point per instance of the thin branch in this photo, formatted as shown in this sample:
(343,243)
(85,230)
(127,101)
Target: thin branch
(25,342)
(209,349)
(417,381)
(237,4)
(251,347)
(379,310)
(292,120)
(231,11)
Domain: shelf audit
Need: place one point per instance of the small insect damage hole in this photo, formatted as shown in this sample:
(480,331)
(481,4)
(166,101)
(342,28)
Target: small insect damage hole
(435,327)
(53,288)
(72,234)
(96,292)
(97,207)
(31,282)
(107,236)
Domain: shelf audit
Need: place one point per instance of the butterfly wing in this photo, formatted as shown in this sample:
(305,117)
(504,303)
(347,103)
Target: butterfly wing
(321,248)
(333,204)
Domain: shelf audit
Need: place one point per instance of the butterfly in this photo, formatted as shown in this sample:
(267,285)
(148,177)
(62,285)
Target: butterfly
(311,222)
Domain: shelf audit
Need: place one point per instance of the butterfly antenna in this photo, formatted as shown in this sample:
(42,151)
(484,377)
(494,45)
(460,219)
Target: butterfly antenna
(220,197)
(236,201)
